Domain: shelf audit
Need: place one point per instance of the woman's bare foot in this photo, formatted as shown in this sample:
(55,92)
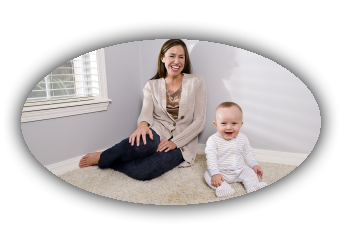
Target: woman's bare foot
(90,159)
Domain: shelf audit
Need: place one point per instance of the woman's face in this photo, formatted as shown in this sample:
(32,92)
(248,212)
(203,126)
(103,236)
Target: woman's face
(174,60)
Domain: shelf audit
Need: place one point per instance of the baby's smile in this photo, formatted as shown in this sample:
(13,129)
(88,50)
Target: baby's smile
(228,121)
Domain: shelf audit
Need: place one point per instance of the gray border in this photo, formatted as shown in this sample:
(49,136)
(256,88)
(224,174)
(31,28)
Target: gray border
(165,29)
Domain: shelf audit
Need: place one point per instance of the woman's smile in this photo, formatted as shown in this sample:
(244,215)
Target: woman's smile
(175,68)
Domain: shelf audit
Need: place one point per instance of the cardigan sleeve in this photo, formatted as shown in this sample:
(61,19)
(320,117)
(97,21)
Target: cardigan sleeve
(196,127)
(147,107)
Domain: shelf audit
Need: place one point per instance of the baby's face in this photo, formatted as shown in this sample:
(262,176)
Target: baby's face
(228,122)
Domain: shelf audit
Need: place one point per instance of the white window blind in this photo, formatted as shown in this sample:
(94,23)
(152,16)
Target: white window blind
(75,80)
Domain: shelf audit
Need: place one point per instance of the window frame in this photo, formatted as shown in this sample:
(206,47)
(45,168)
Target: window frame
(100,103)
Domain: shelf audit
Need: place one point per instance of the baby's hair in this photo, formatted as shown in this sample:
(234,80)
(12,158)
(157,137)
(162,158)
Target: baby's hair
(228,105)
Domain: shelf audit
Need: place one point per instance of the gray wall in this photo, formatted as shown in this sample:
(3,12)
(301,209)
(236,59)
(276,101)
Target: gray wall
(280,113)
(59,139)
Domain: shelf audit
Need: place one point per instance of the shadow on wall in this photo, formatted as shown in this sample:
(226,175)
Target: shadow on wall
(216,63)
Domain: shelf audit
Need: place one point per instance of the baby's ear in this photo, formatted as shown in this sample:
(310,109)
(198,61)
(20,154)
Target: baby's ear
(214,123)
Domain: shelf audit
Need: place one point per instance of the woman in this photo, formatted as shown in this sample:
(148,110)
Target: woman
(172,116)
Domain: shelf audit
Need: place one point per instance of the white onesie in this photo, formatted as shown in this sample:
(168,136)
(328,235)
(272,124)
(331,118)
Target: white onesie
(227,157)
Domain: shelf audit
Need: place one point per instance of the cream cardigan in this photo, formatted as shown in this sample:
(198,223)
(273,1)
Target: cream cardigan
(191,115)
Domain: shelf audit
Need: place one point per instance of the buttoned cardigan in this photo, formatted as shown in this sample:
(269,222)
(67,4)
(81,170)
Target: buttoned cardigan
(191,116)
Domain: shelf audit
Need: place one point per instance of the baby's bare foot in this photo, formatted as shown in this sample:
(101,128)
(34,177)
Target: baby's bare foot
(90,159)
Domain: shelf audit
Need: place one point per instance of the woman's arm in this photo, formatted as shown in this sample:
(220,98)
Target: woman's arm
(146,113)
(142,130)
(145,119)
(196,127)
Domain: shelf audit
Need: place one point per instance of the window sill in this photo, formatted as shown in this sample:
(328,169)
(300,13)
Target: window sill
(43,112)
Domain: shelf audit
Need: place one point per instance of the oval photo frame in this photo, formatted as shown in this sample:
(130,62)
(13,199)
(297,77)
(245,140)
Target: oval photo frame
(62,191)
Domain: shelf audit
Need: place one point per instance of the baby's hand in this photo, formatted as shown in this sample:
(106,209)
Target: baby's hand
(258,171)
(216,180)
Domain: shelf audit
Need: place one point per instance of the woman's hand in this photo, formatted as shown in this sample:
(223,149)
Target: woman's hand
(142,130)
(166,145)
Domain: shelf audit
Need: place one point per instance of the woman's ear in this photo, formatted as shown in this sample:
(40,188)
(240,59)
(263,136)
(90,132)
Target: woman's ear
(162,59)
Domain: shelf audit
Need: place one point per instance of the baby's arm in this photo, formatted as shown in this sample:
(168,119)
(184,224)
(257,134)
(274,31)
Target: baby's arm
(216,180)
(251,159)
(211,154)
(258,171)
(248,154)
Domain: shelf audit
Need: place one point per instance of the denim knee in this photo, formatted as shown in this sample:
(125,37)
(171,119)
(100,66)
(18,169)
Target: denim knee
(143,176)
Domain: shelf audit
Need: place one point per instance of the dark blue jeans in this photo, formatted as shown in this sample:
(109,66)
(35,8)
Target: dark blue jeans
(140,162)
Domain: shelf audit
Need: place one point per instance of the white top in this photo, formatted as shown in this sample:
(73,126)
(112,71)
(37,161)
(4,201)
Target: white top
(228,155)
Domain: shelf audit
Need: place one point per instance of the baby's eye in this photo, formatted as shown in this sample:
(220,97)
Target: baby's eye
(234,123)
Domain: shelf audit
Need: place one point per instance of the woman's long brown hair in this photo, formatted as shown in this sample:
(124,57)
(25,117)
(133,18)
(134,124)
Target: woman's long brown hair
(161,72)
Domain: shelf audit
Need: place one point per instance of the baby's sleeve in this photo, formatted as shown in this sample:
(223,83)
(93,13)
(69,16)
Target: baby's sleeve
(211,154)
(248,154)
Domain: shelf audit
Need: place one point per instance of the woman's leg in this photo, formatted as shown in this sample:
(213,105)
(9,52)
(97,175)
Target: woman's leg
(89,159)
(121,152)
(150,167)
(124,152)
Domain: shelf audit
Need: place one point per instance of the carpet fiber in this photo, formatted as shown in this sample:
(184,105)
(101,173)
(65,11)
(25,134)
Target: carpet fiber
(179,186)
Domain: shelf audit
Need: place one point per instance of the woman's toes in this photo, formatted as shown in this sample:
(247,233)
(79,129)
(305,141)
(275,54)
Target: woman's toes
(83,162)
(89,159)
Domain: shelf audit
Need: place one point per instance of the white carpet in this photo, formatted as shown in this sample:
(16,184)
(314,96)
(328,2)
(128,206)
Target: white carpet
(179,186)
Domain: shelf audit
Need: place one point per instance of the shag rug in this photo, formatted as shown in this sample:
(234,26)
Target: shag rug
(179,186)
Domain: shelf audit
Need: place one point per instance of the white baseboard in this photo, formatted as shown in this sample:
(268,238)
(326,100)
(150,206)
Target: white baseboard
(279,157)
(271,156)
(261,155)
(62,167)
(200,148)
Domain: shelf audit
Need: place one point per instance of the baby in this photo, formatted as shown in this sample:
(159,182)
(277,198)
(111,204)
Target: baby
(226,152)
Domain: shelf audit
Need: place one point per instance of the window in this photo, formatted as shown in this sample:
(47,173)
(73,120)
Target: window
(75,80)
(79,86)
